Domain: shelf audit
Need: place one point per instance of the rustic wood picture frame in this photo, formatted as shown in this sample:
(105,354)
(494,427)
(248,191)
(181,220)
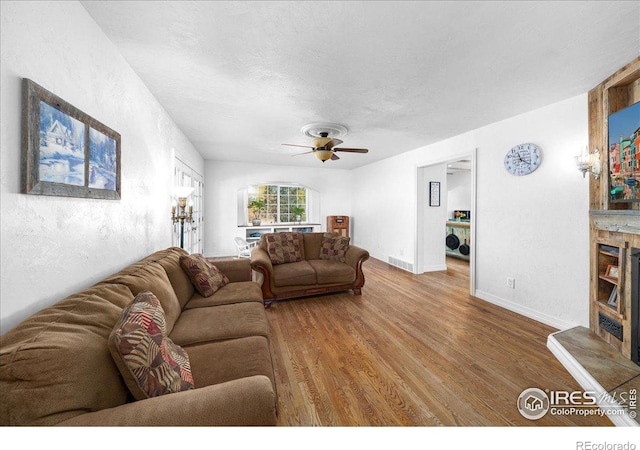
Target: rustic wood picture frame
(612,271)
(79,159)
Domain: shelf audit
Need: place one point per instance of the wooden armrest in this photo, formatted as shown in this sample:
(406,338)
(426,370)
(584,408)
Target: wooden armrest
(260,262)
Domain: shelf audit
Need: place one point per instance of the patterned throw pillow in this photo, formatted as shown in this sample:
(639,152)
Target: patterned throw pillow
(150,363)
(206,277)
(334,247)
(283,247)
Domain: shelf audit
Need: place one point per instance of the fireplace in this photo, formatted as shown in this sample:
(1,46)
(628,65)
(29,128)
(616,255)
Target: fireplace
(635,305)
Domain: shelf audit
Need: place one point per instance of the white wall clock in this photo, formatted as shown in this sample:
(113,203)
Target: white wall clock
(523,159)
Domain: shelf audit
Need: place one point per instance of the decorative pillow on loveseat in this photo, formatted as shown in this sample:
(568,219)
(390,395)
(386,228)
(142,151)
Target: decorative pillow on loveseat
(334,247)
(150,362)
(206,277)
(283,247)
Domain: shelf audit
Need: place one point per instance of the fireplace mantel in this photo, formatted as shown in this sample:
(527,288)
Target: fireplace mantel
(617,221)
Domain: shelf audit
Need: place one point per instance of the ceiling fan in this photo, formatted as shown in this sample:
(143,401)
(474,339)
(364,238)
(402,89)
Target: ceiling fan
(324,147)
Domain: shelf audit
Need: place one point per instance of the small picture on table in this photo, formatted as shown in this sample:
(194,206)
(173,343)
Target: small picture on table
(612,272)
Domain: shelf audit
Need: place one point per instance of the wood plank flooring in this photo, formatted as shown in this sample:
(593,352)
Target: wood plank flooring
(413,350)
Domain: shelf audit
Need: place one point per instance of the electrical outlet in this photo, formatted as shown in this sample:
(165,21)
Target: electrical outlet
(511,282)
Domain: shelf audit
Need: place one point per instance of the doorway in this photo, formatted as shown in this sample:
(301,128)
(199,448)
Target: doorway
(458,239)
(456,178)
(193,233)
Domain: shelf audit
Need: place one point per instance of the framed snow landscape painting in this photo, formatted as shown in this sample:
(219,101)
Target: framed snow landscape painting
(66,152)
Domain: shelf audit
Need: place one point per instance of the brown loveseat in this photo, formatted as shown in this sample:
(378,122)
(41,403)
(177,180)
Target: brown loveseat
(310,272)
(56,367)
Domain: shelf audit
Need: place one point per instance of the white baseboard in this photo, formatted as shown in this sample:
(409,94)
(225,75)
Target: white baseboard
(588,383)
(435,268)
(525,311)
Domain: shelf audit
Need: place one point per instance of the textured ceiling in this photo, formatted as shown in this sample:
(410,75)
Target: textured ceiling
(240,78)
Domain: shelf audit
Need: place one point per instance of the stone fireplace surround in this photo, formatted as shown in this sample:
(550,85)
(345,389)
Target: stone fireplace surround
(597,365)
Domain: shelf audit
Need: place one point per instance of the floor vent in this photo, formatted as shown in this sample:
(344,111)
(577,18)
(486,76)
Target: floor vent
(400,264)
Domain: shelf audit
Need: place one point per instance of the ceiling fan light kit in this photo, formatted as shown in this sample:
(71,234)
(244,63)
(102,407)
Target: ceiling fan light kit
(325,139)
(323,155)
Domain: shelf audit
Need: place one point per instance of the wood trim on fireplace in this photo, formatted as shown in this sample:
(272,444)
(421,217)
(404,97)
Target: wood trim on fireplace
(616,224)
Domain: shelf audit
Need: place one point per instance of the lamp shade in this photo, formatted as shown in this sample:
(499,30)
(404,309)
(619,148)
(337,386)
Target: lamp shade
(323,155)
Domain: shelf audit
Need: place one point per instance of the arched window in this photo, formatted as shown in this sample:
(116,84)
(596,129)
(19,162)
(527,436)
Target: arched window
(277,203)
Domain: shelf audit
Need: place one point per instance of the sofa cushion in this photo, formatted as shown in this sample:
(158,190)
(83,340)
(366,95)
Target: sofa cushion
(334,247)
(332,272)
(262,243)
(206,277)
(312,244)
(294,274)
(182,285)
(150,363)
(56,364)
(152,277)
(239,292)
(283,247)
(220,323)
(236,269)
(243,357)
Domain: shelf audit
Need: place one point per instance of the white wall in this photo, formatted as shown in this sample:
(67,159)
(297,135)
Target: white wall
(458,192)
(223,179)
(432,235)
(53,246)
(533,228)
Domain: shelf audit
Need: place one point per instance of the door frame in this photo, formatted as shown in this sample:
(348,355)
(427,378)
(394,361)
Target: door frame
(422,202)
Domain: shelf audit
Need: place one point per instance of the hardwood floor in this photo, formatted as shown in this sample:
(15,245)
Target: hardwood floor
(413,350)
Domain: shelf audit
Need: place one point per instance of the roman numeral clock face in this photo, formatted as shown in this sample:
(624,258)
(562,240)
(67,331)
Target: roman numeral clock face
(523,159)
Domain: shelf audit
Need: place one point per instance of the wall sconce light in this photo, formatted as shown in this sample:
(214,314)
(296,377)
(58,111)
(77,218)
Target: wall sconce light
(589,162)
(181,215)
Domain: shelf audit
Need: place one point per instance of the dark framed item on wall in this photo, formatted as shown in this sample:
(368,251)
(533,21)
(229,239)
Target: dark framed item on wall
(434,193)
(66,152)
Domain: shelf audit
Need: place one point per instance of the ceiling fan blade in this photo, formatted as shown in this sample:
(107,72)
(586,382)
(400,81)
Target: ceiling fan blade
(334,157)
(332,143)
(296,145)
(352,150)
(303,153)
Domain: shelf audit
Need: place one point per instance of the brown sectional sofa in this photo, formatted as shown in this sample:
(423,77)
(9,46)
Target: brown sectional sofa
(56,368)
(310,276)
